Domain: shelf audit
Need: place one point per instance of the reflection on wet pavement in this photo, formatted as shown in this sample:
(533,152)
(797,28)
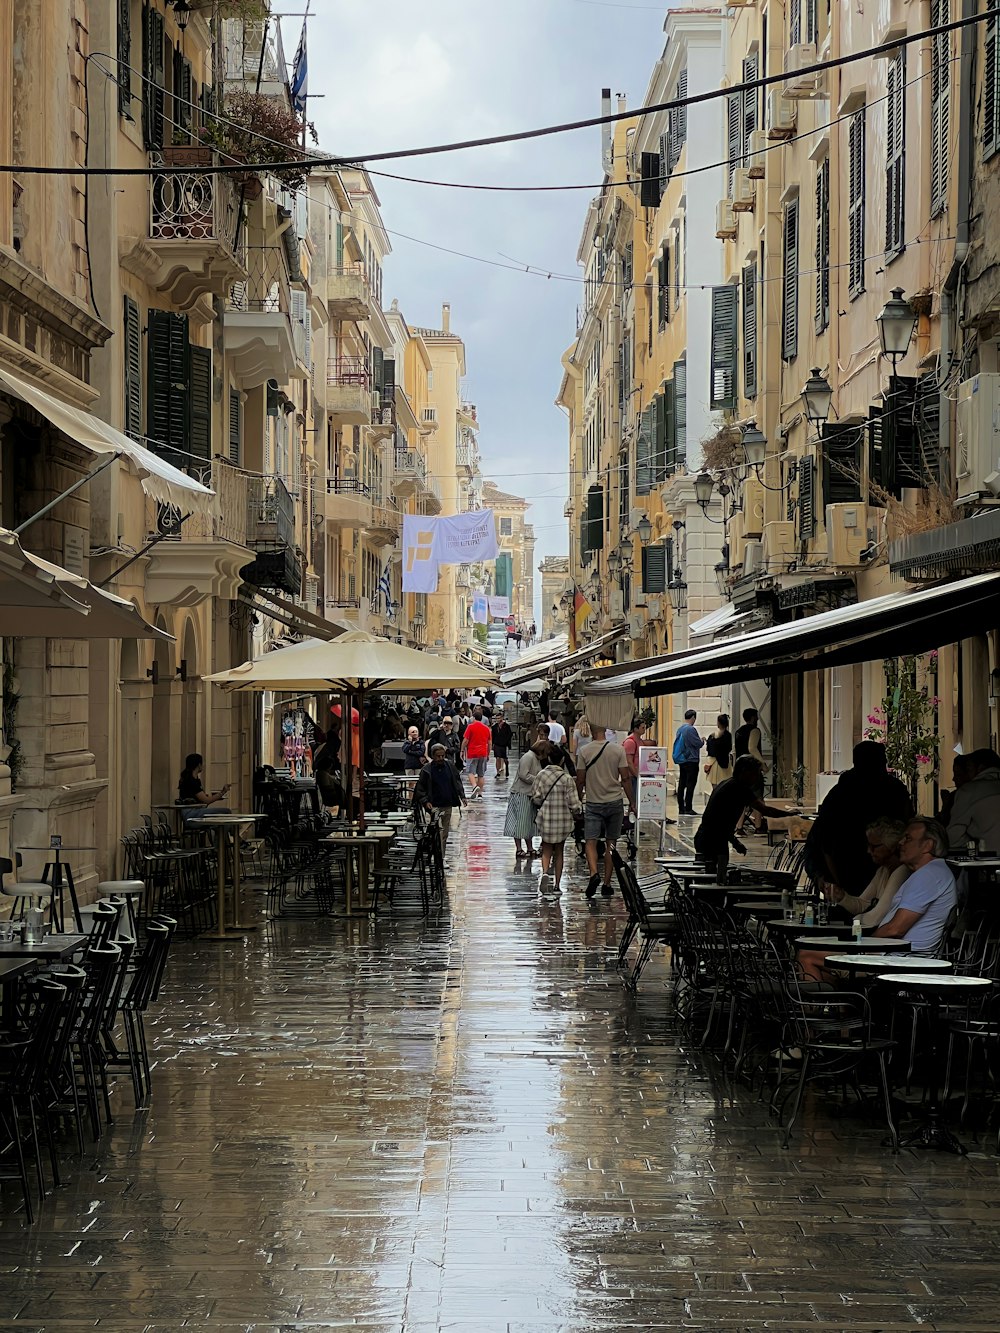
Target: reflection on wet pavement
(466,1124)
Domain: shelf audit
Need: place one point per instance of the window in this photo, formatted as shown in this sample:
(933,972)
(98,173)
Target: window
(750,329)
(823,245)
(807,499)
(856,204)
(751,102)
(133,370)
(940,105)
(506,527)
(991,88)
(235,440)
(790,281)
(654,569)
(125,58)
(678,121)
(794,22)
(842,463)
(663,277)
(644,452)
(722,388)
(183,97)
(734,136)
(895,171)
(153,83)
(680,412)
(179,391)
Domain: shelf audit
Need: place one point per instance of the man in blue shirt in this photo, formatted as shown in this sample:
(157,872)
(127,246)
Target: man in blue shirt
(923,904)
(686,754)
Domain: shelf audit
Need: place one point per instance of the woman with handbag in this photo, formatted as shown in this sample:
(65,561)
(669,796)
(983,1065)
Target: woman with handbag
(557,804)
(719,749)
(519,823)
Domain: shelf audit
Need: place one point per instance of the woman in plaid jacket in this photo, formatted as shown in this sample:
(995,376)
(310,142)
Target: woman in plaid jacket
(557,804)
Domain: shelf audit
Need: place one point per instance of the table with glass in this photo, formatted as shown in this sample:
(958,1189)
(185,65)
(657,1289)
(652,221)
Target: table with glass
(227,837)
(852,961)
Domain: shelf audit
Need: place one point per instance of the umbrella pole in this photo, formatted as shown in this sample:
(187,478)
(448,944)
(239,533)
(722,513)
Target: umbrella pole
(361,759)
(346,753)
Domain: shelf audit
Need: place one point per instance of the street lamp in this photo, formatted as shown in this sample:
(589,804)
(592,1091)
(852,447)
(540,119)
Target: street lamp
(677,591)
(614,564)
(817,397)
(703,487)
(182,12)
(417,620)
(645,529)
(895,326)
(754,446)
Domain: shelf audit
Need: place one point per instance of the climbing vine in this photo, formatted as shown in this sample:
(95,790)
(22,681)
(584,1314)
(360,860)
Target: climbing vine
(906,719)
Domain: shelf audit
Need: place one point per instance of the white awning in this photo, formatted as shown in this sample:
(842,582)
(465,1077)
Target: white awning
(159,478)
(715,620)
(557,659)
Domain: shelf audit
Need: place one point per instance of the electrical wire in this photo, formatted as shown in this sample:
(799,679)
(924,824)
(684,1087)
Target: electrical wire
(521,136)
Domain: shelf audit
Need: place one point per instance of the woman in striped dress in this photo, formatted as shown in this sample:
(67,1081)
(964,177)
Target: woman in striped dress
(520,821)
(557,804)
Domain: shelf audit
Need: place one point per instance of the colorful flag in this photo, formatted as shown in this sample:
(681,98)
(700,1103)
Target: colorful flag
(384,590)
(299,87)
(420,566)
(581,610)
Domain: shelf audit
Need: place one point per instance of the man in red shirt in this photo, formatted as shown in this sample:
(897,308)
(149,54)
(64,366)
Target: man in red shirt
(476,745)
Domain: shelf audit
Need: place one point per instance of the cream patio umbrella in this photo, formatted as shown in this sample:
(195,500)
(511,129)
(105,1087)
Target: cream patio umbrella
(355,664)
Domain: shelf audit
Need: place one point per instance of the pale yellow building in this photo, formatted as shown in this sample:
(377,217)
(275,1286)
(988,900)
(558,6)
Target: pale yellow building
(555,586)
(516,539)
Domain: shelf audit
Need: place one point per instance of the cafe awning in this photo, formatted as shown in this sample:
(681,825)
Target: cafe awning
(159,478)
(899,623)
(558,659)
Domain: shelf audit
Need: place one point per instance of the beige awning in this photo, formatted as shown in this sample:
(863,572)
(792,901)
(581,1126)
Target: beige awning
(40,599)
(159,478)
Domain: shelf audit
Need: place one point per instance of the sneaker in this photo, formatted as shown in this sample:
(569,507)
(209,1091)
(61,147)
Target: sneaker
(607,890)
(592,885)
(545,881)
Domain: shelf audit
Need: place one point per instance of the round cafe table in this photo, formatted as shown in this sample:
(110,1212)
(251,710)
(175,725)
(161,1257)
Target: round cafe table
(793,929)
(854,962)
(867,944)
(932,989)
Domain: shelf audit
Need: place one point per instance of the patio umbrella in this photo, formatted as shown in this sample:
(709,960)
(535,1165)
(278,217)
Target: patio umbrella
(354,664)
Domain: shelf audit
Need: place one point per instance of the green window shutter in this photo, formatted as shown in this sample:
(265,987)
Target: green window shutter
(183,96)
(665,153)
(125,58)
(750,330)
(153,78)
(132,328)
(167,371)
(880,473)
(649,180)
(679,121)
(751,103)
(680,412)
(654,569)
(807,500)
(594,523)
(842,463)
(790,281)
(235,437)
(722,389)
(663,269)
(856,204)
(659,438)
(908,444)
(200,399)
(895,164)
(644,452)
(991,80)
(669,430)
(378,357)
(823,245)
(734,135)
(940,105)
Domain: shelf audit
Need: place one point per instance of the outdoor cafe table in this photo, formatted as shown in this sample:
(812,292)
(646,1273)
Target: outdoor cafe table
(792,930)
(867,943)
(758,907)
(50,948)
(932,989)
(227,828)
(62,874)
(853,962)
(366,844)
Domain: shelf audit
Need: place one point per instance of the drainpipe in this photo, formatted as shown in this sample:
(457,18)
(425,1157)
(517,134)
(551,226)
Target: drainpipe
(966,136)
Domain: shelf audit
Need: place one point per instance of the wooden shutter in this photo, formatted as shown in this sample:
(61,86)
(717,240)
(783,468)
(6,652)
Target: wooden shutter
(750,330)
(183,97)
(663,271)
(751,102)
(895,170)
(991,80)
(901,436)
(649,180)
(665,155)
(812,27)
(680,412)
(654,569)
(235,427)
(794,22)
(378,357)
(856,203)
(879,459)
(659,438)
(790,281)
(841,463)
(167,371)
(669,429)
(153,78)
(940,105)
(595,518)
(644,452)
(200,400)
(722,389)
(734,125)
(807,499)
(823,245)
(125,58)
(132,350)
(680,119)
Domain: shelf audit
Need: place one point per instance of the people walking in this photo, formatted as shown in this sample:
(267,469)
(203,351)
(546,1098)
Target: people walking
(519,823)
(603,774)
(439,791)
(557,804)
(719,752)
(414,752)
(476,745)
(446,735)
(686,755)
(557,732)
(503,738)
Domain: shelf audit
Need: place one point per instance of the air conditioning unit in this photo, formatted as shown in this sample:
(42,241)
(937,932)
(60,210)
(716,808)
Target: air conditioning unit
(781,116)
(802,87)
(737,539)
(847,533)
(743,191)
(654,608)
(616,604)
(779,542)
(977,442)
(753,558)
(636,627)
(725,221)
(756,149)
(753,508)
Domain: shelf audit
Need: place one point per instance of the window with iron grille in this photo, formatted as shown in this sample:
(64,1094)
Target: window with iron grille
(895,162)
(940,104)
(125,58)
(790,281)
(823,245)
(991,87)
(856,204)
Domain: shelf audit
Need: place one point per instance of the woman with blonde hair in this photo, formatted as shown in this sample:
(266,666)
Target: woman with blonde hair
(582,734)
(719,749)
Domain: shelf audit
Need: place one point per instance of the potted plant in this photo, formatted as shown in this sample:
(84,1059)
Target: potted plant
(256,129)
(183,153)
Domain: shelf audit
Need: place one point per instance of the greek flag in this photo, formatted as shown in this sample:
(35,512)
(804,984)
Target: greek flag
(300,76)
(384,589)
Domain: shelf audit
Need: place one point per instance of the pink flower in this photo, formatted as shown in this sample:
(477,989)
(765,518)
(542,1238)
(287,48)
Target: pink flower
(933,655)
(936,701)
(923,758)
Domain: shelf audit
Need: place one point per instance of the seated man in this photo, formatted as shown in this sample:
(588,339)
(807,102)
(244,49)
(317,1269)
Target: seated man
(726,807)
(975,811)
(922,905)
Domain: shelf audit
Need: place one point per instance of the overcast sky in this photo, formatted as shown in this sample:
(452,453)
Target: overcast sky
(398,74)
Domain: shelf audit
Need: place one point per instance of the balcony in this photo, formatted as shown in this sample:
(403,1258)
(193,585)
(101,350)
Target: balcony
(411,480)
(353,611)
(383,424)
(262,339)
(348,503)
(466,458)
(271,533)
(467,416)
(347,293)
(189,253)
(349,391)
(386,523)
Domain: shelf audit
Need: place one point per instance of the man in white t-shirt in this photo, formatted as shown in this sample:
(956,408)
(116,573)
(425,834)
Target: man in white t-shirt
(557,732)
(602,770)
(922,905)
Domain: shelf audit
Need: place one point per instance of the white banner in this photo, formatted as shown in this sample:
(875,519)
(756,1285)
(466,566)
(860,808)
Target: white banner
(420,565)
(480,609)
(499,606)
(652,798)
(462,538)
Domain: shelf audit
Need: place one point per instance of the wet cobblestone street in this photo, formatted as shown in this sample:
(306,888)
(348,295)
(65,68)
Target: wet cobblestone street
(466,1124)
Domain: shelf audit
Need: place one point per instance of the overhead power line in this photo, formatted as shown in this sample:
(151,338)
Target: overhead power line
(520,136)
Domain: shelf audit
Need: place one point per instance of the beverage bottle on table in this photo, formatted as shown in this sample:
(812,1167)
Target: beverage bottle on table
(786,904)
(810,917)
(856,928)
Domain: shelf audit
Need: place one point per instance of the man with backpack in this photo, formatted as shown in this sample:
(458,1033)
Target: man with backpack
(686,755)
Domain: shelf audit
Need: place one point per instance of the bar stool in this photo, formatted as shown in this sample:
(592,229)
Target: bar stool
(132,890)
(23,891)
